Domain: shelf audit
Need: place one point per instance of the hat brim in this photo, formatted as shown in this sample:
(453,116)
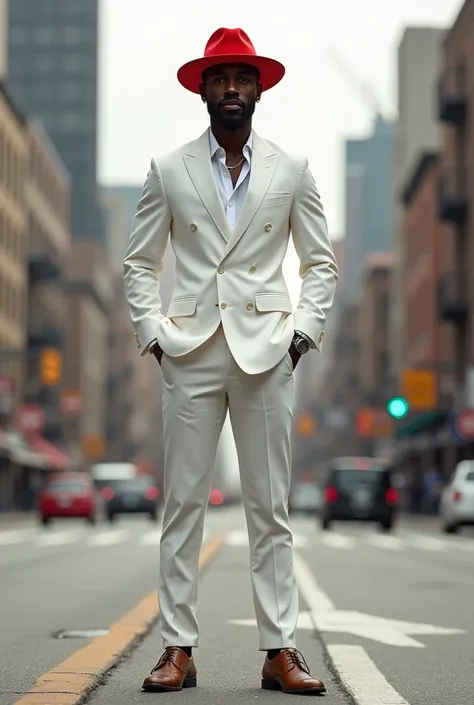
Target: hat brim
(271,71)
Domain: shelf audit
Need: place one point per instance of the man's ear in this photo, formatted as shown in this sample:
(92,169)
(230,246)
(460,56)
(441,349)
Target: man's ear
(202,92)
(259,91)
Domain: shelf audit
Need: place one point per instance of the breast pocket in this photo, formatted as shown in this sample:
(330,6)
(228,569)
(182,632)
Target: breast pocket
(182,306)
(273,199)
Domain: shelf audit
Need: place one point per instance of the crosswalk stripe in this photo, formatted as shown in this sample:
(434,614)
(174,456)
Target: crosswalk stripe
(15,536)
(426,543)
(392,543)
(109,538)
(337,540)
(58,539)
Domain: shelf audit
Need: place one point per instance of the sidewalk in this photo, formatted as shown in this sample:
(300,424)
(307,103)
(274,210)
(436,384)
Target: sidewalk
(15,518)
(229,664)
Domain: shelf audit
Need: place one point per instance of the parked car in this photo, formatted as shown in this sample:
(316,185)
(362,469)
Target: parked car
(359,489)
(68,495)
(305,498)
(137,495)
(457,499)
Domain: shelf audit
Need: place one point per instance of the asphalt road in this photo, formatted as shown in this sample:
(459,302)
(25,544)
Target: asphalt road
(384,619)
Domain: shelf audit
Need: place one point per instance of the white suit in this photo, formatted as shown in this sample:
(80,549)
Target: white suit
(225,337)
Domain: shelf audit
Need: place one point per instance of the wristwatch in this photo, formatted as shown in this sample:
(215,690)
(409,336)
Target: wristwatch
(301,343)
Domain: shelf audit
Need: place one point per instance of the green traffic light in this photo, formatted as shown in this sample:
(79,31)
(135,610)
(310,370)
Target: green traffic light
(397,407)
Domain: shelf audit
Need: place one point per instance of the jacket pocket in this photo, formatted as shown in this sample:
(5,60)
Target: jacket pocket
(183,306)
(273,302)
(271,200)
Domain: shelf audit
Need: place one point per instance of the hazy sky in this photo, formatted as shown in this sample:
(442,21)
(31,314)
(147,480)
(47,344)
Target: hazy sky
(145,111)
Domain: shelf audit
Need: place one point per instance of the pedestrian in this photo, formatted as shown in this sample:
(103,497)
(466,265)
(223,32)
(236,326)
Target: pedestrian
(229,341)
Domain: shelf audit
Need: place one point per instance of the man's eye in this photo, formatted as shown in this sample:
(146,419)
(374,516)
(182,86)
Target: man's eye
(243,79)
(218,79)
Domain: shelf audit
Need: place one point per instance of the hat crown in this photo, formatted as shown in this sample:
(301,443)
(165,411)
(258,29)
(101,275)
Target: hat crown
(226,41)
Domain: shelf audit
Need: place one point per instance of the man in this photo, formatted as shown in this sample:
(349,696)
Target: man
(229,341)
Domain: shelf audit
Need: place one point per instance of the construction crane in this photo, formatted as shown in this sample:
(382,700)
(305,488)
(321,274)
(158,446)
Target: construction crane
(365,89)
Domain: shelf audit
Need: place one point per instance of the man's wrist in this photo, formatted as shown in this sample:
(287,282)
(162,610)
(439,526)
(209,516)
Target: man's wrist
(299,334)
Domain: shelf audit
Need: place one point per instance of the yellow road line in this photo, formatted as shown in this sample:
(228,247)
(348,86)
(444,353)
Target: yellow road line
(73,679)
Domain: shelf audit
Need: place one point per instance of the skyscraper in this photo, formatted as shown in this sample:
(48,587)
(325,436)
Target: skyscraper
(368,194)
(52,67)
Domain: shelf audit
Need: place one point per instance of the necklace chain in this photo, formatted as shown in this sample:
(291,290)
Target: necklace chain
(236,165)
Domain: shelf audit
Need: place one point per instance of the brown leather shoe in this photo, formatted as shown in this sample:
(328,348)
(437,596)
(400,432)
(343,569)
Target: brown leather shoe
(174,671)
(289,673)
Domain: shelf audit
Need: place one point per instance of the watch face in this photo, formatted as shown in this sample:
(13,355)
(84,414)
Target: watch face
(302,346)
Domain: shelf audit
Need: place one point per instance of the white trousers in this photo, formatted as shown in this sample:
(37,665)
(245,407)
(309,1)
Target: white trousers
(198,390)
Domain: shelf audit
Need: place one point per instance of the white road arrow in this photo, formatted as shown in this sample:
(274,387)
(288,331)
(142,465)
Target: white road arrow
(324,617)
(386,631)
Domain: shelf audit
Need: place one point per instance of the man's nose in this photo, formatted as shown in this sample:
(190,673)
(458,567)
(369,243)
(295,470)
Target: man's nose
(231,90)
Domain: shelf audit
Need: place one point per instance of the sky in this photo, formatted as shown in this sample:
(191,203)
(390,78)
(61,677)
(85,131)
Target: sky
(144,110)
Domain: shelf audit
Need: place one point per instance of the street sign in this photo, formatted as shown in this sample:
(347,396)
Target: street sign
(364,420)
(306,425)
(93,447)
(465,424)
(419,389)
(7,394)
(71,401)
(30,418)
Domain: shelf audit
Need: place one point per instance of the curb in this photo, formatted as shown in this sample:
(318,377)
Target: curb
(74,679)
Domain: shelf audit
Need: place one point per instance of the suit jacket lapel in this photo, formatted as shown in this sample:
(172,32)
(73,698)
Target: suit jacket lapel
(264,161)
(199,167)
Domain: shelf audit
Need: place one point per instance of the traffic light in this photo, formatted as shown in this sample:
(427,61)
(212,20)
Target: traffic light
(398,407)
(50,367)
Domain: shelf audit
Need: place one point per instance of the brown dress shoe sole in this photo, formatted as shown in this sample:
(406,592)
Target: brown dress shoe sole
(187,683)
(272,684)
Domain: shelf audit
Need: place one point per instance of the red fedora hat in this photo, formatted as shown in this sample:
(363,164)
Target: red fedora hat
(230,46)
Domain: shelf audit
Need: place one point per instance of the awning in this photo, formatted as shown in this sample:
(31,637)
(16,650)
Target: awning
(53,458)
(21,452)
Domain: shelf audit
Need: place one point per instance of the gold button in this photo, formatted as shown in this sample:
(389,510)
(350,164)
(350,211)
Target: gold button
(223,305)
(249,307)
(268,227)
(321,337)
(221,270)
(193,227)
(252,269)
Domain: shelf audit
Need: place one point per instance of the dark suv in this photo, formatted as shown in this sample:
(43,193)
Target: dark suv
(359,489)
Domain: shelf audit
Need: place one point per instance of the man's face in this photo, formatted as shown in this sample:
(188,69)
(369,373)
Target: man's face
(231,91)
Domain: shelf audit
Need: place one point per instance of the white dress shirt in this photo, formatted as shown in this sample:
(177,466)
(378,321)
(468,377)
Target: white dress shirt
(232,197)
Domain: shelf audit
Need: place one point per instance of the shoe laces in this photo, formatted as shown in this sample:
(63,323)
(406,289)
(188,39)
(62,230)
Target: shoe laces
(296,658)
(168,656)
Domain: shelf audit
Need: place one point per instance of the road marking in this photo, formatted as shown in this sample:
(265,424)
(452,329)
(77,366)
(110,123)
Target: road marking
(337,540)
(70,682)
(59,539)
(392,543)
(109,538)
(427,543)
(152,538)
(361,677)
(326,618)
(15,536)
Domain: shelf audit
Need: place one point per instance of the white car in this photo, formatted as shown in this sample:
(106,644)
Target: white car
(457,499)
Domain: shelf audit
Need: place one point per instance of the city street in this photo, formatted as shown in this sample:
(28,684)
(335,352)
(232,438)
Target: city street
(385,619)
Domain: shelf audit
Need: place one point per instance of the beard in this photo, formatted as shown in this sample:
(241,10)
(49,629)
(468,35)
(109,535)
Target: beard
(230,121)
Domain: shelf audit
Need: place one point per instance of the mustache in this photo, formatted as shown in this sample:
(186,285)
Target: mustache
(231,101)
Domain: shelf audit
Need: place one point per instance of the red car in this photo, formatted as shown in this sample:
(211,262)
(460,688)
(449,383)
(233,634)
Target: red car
(68,495)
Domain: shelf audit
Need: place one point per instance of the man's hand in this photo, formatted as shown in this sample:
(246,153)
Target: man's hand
(157,352)
(295,355)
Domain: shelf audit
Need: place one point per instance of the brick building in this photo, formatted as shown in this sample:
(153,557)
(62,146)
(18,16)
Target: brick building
(47,201)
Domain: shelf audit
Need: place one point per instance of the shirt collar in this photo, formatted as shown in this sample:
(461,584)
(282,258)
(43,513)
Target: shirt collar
(215,146)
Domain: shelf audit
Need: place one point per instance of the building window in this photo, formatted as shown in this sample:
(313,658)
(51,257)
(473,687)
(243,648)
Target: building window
(45,63)
(73,63)
(18,35)
(44,35)
(384,368)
